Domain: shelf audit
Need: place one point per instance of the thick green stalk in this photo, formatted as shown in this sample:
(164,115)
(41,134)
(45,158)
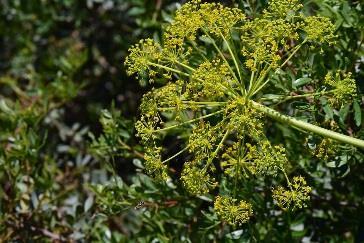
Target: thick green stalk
(307,126)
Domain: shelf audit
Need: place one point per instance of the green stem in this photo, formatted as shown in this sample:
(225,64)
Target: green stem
(219,146)
(175,155)
(286,176)
(237,168)
(257,85)
(291,97)
(220,53)
(307,126)
(232,55)
(259,88)
(189,121)
(168,69)
(195,105)
(182,64)
(303,96)
(235,62)
(204,102)
(264,73)
(222,56)
(292,54)
(252,76)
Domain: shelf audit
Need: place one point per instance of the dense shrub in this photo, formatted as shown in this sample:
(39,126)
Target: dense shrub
(60,64)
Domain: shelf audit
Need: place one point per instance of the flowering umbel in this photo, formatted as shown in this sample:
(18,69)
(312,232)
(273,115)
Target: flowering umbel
(232,211)
(295,197)
(216,65)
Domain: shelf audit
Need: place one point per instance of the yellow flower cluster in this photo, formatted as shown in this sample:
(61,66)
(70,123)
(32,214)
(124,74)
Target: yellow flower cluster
(202,140)
(232,162)
(231,211)
(170,95)
(140,56)
(282,8)
(194,16)
(263,38)
(146,127)
(343,86)
(261,160)
(295,197)
(243,118)
(265,159)
(326,149)
(205,92)
(154,165)
(196,180)
(209,80)
(266,37)
(319,29)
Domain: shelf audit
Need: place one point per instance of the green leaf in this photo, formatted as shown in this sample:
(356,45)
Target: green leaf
(344,171)
(138,163)
(328,111)
(357,113)
(5,108)
(300,82)
(135,11)
(331,164)
(343,113)
(235,234)
(207,199)
(88,203)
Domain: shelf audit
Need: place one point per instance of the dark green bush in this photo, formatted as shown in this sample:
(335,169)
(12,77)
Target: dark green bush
(60,64)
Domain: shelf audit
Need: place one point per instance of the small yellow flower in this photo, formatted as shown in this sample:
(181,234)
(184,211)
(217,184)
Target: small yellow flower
(295,197)
(326,149)
(140,56)
(343,87)
(282,8)
(319,29)
(196,180)
(232,211)
(265,159)
(154,165)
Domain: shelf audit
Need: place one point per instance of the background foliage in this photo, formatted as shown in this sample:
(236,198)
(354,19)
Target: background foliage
(70,170)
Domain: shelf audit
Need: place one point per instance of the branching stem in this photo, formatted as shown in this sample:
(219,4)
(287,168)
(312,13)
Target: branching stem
(219,146)
(293,53)
(222,56)
(186,74)
(189,121)
(235,62)
(168,69)
(175,155)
